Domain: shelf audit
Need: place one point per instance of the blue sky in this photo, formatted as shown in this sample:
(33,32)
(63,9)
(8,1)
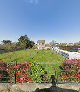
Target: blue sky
(57,20)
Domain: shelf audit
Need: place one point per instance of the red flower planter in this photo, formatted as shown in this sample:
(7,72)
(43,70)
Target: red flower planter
(71,69)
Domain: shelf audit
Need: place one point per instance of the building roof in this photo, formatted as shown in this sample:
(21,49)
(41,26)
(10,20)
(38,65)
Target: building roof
(41,41)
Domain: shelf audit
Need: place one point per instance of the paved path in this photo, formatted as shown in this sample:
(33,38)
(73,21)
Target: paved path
(32,86)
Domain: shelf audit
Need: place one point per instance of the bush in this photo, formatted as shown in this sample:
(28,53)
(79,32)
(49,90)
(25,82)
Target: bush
(38,73)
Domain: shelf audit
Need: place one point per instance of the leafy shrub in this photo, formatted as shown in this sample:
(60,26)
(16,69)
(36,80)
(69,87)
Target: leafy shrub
(38,73)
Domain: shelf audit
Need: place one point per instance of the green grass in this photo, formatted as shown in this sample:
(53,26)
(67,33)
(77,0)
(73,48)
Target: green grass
(39,56)
(48,58)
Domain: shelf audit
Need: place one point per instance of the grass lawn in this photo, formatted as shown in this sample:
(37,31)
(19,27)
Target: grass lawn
(40,56)
(47,58)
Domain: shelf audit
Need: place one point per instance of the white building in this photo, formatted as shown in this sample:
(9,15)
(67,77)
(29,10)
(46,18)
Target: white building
(41,44)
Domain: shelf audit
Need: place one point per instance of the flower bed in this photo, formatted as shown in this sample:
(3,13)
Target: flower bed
(25,72)
(70,70)
(4,75)
(21,71)
(33,72)
(8,72)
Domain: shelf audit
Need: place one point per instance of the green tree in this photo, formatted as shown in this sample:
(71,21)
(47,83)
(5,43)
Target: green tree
(52,43)
(6,41)
(31,44)
(25,42)
(7,45)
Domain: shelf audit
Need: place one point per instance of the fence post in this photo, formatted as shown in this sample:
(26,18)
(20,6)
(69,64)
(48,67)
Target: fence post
(15,71)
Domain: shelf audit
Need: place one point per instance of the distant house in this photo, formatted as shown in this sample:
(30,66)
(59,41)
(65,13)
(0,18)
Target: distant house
(41,44)
(71,44)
